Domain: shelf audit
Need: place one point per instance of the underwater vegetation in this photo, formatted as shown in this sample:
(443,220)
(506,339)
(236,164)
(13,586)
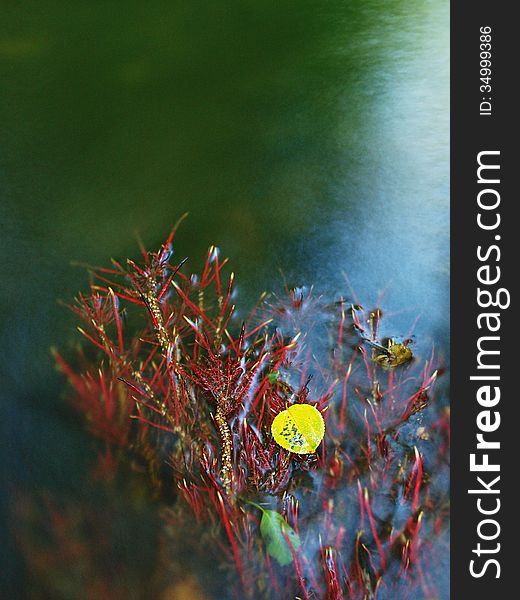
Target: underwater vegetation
(290,452)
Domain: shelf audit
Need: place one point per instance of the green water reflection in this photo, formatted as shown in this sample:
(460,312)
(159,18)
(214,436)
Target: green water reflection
(299,135)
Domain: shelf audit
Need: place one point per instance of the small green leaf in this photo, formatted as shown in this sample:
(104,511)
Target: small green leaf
(272,527)
(273,377)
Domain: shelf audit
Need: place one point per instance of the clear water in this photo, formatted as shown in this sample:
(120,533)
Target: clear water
(302,137)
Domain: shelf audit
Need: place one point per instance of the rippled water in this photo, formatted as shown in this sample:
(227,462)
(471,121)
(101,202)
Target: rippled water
(307,138)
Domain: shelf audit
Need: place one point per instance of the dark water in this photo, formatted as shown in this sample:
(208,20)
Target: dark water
(305,137)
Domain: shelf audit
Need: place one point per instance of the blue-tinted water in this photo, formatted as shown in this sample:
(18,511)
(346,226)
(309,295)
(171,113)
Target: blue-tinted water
(302,137)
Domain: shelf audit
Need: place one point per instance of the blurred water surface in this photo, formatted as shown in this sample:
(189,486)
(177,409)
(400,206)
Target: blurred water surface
(305,137)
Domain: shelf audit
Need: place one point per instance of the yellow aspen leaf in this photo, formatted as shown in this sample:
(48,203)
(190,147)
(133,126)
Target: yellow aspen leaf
(300,428)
